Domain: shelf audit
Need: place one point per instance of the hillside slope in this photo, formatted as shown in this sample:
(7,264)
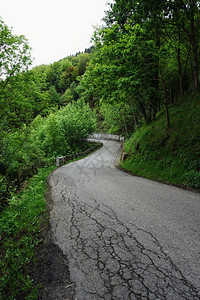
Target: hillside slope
(170,155)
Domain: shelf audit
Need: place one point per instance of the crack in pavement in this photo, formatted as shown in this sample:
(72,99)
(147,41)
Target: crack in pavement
(110,259)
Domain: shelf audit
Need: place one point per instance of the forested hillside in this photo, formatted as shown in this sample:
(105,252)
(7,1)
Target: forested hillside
(41,114)
(145,57)
(139,79)
(143,77)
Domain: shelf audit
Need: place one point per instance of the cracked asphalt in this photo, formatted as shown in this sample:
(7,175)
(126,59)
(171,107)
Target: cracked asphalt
(125,237)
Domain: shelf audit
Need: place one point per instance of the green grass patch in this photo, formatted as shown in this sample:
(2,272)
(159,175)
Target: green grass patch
(171,155)
(19,234)
(20,230)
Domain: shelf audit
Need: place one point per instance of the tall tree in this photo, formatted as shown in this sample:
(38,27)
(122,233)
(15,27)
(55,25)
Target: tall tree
(15,54)
(185,15)
(121,69)
(182,17)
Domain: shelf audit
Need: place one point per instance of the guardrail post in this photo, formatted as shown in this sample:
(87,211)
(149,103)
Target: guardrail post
(74,155)
(57,161)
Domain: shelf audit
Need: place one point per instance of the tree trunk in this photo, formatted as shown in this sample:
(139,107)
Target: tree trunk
(143,111)
(165,99)
(167,113)
(180,72)
(194,43)
(179,63)
(196,69)
(190,17)
(125,126)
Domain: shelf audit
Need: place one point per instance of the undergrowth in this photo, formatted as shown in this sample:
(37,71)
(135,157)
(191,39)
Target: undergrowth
(21,223)
(170,155)
(19,234)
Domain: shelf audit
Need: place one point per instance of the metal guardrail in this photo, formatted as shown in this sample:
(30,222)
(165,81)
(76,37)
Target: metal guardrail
(106,136)
(95,136)
(112,137)
(63,159)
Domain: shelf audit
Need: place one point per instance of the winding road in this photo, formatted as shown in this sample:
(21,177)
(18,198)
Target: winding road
(125,237)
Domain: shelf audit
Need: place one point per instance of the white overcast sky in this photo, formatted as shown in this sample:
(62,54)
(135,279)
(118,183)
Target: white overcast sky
(54,28)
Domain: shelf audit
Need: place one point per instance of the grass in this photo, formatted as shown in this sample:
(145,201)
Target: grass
(21,223)
(19,234)
(170,155)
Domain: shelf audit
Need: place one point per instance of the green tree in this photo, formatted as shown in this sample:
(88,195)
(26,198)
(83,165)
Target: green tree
(15,58)
(68,77)
(83,60)
(121,69)
(176,20)
(54,97)
(15,54)
(184,15)
(64,132)
(22,99)
(67,97)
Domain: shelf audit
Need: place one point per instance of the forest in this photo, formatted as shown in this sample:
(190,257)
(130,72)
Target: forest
(140,79)
(41,114)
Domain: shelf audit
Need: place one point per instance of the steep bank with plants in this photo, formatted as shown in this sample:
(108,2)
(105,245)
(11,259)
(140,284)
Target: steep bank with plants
(171,155)
(21,224)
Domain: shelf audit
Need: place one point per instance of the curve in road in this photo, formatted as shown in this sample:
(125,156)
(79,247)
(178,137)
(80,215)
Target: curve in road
(125,237)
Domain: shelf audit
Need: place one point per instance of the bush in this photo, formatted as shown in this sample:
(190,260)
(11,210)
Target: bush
(20,232)
(31,147)
(64,132)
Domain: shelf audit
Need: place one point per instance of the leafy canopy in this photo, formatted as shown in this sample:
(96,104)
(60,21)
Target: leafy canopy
(15,54)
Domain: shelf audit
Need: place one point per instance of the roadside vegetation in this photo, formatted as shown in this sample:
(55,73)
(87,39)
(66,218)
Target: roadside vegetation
(41,117)
(172,155)
(24,221)
(21,223)
(30,147)
(140,79)
(143,77)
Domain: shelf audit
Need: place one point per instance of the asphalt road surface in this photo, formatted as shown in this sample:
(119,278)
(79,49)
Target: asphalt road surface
(125,237)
